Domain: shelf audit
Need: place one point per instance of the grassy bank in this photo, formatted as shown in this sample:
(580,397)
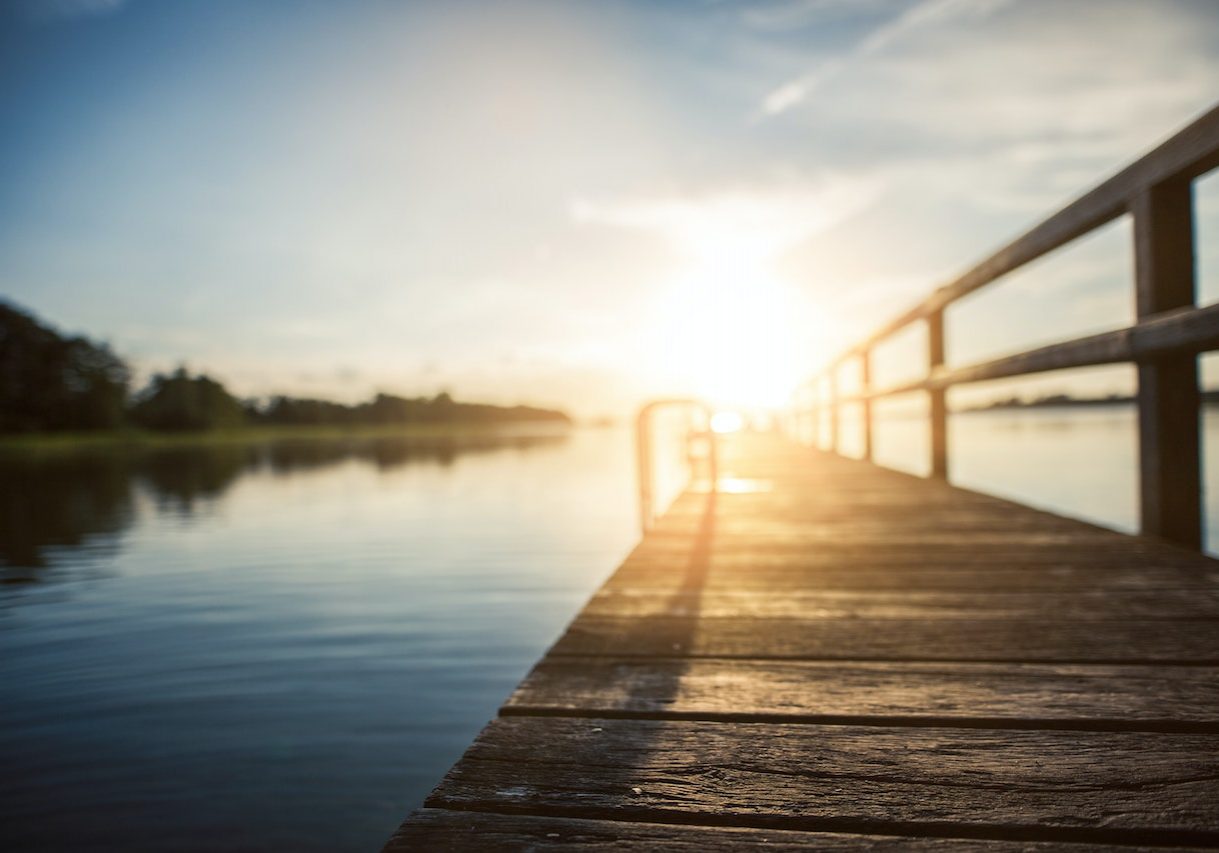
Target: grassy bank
(137,439)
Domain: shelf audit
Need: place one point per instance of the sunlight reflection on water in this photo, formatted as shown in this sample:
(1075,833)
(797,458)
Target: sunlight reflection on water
(279,647)
(1081,462)
(287,646)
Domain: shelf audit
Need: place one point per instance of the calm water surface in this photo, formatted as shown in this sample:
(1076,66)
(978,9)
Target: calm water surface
(1077,461)
(285,647)
(279,647)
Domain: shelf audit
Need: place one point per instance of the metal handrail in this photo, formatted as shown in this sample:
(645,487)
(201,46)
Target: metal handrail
(1170,332)
(644,456)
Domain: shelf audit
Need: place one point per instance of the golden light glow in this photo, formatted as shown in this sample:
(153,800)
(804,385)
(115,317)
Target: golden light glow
(728,327)
(724,422)
(741,486)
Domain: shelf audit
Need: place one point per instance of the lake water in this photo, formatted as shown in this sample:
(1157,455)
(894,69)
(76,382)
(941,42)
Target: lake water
(285,646)
(279,647)
(1078,461)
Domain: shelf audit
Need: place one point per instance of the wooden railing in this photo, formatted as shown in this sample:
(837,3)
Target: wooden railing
(697,432)
(1164,343)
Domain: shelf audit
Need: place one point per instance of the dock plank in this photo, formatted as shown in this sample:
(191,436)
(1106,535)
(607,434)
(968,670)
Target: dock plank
(617,600)
(828,655)
(995,695)
(1066,641)
(863,575)
(1083,786)
(444,830)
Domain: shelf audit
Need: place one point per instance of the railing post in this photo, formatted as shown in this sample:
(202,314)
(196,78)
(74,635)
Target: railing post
(832,378)
(805,408)
(814,424)
(814,417)
(865,406)
(643,464)
(644,455)
(1170,491)
(937,402)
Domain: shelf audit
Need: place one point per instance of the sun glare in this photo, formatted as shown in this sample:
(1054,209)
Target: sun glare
(728,328)
(723,422)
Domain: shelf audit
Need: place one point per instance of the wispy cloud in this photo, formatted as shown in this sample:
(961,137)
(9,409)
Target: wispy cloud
(773,218)
(925,15)
(1008,114)
(443,144)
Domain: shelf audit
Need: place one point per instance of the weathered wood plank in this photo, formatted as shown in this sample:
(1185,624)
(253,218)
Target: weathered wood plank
(783,501)
(766,518)
(813,549)
(1103,787)
(810,654)
(620,600)
(1065,579)
(919,542)
(1130,640)
(444,830)
(1170,491)
(760,572)
(996,695)
(846,554)
(899,534)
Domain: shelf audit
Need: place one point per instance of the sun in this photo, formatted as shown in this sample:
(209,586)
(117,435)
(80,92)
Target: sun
(727,327)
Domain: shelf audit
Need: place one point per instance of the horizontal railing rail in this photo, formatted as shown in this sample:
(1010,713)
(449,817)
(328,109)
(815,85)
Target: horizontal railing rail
(645,456)
(1164,342)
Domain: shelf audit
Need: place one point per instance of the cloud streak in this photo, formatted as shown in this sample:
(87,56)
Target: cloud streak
(925,15)
(772,218)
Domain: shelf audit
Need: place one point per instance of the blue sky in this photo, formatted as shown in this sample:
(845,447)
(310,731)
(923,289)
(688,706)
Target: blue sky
(566,203)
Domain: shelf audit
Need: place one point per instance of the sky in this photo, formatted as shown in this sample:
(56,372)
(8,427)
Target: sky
(574,204)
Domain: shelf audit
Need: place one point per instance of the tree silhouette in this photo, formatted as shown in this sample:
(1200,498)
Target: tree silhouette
(183,402)
(50,382)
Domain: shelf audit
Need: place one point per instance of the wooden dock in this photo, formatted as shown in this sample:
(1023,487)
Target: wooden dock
(831,655)
(826,654)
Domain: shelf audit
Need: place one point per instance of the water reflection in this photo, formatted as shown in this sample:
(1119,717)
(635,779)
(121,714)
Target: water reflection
(280,645)
(58,501)
(70,499)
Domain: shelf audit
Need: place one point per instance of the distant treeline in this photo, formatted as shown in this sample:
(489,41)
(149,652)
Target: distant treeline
(1057,400)
(49,382)
(388,409)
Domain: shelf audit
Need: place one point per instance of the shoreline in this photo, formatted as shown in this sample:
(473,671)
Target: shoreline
(140,439)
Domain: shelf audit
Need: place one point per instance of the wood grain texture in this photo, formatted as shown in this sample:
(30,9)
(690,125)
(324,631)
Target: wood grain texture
(1170,492)
(1085,786)
(474,832)
(861,659)
(756,575)
(620,600)
(892,546)
(994,695)
(1127,640)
